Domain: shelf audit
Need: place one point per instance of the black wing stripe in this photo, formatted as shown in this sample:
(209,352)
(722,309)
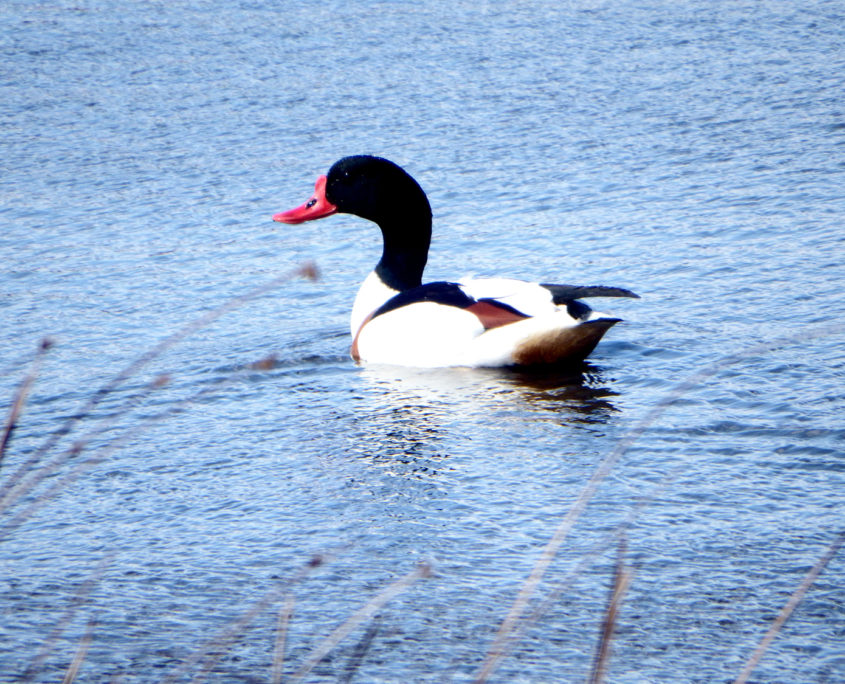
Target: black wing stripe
(448,294)
(566,293)
(491,312)
(451,294)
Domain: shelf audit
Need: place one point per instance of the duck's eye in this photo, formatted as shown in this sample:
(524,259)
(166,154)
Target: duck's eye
(311,202)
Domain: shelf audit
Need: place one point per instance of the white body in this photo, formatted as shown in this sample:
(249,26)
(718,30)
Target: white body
(427,334)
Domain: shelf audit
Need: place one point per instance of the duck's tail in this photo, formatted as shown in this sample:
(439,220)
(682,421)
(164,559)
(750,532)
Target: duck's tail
(563,345)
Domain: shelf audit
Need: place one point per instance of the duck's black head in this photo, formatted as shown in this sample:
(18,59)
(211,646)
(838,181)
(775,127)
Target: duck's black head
(375,189)
(380,191)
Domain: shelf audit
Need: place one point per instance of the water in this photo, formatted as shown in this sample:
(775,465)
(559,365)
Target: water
(693,154)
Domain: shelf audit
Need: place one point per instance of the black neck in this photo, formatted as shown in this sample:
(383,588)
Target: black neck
(380,191)
(405,253)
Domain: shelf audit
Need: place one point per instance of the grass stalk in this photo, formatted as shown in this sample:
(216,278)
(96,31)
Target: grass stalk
(560,587)
(361,649)
(48,469)
(81,652)
(365,612)
(212,650)
(498,649)
(79,599)
(307,270)
(281,639)
(621,581)
(789,608)
(22,393)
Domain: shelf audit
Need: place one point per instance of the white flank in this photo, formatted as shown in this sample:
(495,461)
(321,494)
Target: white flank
(497,346)
(425,334)
(371,295)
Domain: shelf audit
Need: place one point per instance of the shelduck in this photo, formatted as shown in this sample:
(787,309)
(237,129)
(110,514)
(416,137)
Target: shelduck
(396,319)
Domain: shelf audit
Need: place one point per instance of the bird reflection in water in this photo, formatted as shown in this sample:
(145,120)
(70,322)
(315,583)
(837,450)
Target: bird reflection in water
(417,417)
(580,392)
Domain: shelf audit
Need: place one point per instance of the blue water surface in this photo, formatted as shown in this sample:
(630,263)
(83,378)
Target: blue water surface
(163,510)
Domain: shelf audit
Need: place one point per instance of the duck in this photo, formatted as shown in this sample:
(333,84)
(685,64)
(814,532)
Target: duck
(474,322)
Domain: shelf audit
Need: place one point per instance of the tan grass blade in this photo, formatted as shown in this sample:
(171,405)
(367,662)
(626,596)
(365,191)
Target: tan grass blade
(81,652)
(20,397)
(621,581)
(364,613)
(212,650)
(79,599)
(499,647)
(281,637)
(27,485)
(307,270)
(360,651)
(795,599)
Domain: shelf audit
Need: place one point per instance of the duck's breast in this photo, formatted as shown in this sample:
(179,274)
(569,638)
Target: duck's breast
(423,334)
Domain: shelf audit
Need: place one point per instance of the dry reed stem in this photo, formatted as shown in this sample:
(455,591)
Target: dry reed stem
(281,638)
(25,487)
(307,270)
(498,648)
(795,599)
(364,613)
(27,484)
(81,652)
(586,559)
(15,493)
(20,397)
(361,649)
(509,623)
(621,582)
(214,649)
(79,598)
(17,485)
